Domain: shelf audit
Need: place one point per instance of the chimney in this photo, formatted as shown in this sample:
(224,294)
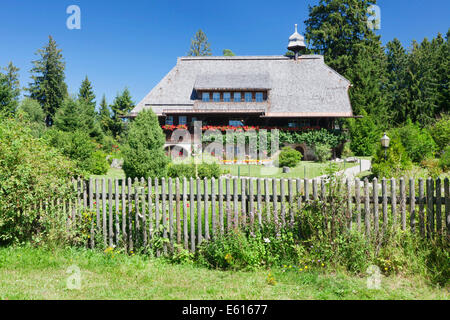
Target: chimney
(296,43)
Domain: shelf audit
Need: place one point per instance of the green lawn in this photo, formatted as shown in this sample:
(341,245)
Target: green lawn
(27,273)
(306,169)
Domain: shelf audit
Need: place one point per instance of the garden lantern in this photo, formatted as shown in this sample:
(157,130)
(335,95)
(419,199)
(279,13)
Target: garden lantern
(385,144)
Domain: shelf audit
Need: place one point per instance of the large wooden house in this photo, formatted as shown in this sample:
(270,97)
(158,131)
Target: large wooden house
(290,93)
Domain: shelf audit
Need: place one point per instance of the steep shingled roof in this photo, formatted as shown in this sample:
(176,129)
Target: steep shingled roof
(304,87)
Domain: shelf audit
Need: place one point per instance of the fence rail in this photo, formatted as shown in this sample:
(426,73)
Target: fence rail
(131,213)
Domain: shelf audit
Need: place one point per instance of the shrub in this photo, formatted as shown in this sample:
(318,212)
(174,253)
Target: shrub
(444,161)
(396,163)
(364,135)
(98,163)
(30,171)
(441,132)
(432,166)
(209,170)
(289,157)
(347,151)
(323,152)
(78,147)
(143,152)
(180,170)
(31,112)
(418,143)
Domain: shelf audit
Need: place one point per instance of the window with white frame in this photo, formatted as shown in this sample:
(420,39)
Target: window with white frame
(248,97)
(216,97)
(237,97)
(205,96)
(226,97)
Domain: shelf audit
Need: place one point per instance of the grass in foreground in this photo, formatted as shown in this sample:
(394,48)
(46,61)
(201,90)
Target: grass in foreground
(30,273)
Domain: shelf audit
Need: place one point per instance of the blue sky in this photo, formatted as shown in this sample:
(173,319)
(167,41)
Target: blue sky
(135,43)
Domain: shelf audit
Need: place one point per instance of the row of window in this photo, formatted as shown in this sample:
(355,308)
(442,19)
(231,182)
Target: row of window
(182,120)
(237,97)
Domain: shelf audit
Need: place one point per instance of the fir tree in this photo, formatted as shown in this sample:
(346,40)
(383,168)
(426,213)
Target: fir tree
(143,152)
(121,106)
(48,86)
(9,89)
(104,116)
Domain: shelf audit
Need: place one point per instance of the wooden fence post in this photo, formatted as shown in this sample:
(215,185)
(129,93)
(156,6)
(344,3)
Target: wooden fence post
(185,215)
(199,212)
(349,205)
(206,207)
(192,219)
(178,204)
(110,211)
(213,207)
(267,198)
(243,201)
(430,213)
(447,206)
(376,216)
(358,203)
(259,201)
(394,202)
(421,208)
(403,203)
(291,202)
(367,207)
(251,202)
(228,200)
(412,205)
(124,215)
(221,221)
(438,208)
(385,204)
(170,200)
(235,202)
(283,201)
(150,210)
(130,215)
(104,212)
(91,210)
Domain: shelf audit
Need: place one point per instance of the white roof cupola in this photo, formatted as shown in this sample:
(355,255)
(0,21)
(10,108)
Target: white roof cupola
(296,42)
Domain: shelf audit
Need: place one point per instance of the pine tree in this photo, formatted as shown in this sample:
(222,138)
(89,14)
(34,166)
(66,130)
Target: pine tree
(86,93)
(397,88)
(104,116)
(9,89)
(199,45)
(70,116)
(86,98)
(338,29)
(48,86)
(121,106)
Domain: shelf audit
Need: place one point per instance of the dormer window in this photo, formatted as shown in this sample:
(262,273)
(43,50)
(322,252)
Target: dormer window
(205,96)
(248,97)
(216,97)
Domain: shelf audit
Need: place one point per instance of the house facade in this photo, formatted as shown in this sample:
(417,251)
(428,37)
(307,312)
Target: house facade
(288,93)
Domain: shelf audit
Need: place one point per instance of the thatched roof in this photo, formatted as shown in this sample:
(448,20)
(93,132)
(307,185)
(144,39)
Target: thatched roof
(306,87)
